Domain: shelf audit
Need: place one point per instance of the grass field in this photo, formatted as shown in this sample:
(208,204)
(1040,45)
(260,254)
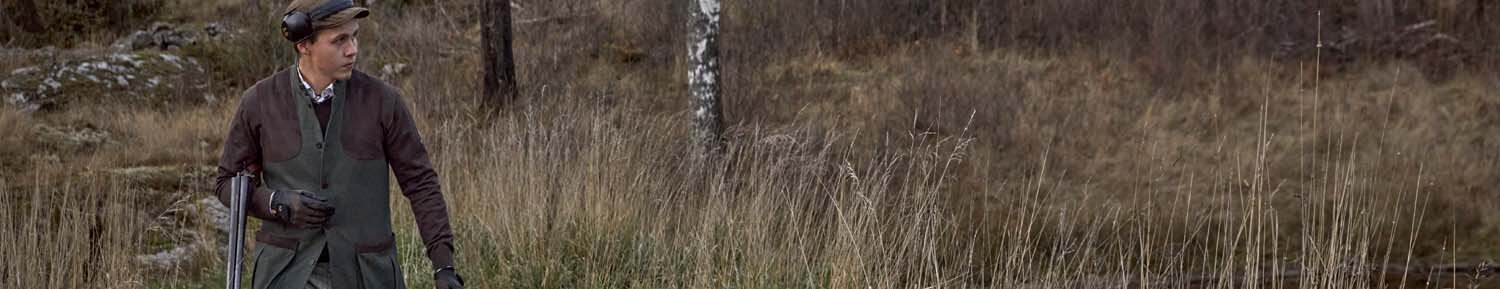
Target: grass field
(880,162)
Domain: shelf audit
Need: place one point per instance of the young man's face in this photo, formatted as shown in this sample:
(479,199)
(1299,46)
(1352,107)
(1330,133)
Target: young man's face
(332,52)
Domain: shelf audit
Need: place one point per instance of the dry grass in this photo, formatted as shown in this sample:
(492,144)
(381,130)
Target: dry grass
(187,136)
(577,196)
(18,130)
(855,163)
(574,195)
(78,235)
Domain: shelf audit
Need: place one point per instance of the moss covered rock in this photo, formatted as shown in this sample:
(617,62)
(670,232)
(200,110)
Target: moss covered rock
(147,78)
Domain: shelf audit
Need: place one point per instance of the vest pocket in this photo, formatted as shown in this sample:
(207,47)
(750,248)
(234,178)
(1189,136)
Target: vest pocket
(378,266)
(270,264)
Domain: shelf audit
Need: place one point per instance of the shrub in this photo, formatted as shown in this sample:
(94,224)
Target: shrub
(67,23)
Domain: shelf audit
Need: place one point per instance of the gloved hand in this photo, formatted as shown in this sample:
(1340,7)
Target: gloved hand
(301,208)
(447,278)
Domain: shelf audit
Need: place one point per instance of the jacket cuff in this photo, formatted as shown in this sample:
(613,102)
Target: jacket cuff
(441,256)
(259,205)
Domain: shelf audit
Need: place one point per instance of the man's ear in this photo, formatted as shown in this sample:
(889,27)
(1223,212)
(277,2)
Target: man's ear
(302,47)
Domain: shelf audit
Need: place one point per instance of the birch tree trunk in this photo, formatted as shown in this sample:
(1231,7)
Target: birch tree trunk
(499,62)
(703,77)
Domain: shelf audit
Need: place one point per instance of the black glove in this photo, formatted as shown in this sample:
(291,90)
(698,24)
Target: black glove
(447,278)
(301,208)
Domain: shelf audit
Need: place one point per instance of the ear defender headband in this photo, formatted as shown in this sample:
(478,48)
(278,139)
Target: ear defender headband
(297,25)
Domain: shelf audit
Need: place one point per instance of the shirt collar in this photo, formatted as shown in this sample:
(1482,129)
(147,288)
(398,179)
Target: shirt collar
(311,94)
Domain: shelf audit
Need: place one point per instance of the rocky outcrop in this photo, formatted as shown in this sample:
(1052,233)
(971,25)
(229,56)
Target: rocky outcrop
(134,78)
(144,67)
(193,243)
(192,222)
(166,36)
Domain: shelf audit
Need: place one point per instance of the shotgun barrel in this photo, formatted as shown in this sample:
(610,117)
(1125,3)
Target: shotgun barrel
(239,192)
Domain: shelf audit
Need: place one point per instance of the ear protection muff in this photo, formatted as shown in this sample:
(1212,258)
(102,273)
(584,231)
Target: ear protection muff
(297,25)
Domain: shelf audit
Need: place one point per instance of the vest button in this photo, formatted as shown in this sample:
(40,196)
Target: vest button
(320,145)
(325,186)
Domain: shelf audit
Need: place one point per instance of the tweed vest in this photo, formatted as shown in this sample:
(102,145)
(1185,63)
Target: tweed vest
(358,237)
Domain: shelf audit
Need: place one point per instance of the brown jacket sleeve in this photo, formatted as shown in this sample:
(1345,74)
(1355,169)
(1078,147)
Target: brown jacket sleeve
(242,151)
(419,182)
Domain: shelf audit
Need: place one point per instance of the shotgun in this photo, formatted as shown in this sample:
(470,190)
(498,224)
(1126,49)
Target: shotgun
(239,192)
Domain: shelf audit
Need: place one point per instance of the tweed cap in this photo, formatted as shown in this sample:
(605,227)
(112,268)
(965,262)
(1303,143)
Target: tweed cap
(337,18)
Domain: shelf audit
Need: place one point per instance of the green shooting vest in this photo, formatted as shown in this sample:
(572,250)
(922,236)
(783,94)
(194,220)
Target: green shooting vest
(358,237)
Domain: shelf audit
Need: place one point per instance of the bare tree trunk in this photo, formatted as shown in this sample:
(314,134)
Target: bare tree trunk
(942,14)
(499,62)
(253,7)
(6,30)
(975,25)
(27,17)
(703,77)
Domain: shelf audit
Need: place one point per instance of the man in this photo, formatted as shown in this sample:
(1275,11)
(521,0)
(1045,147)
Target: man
(322,139)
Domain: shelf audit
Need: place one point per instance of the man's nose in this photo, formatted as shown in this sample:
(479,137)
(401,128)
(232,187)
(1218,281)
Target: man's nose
(351,51)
